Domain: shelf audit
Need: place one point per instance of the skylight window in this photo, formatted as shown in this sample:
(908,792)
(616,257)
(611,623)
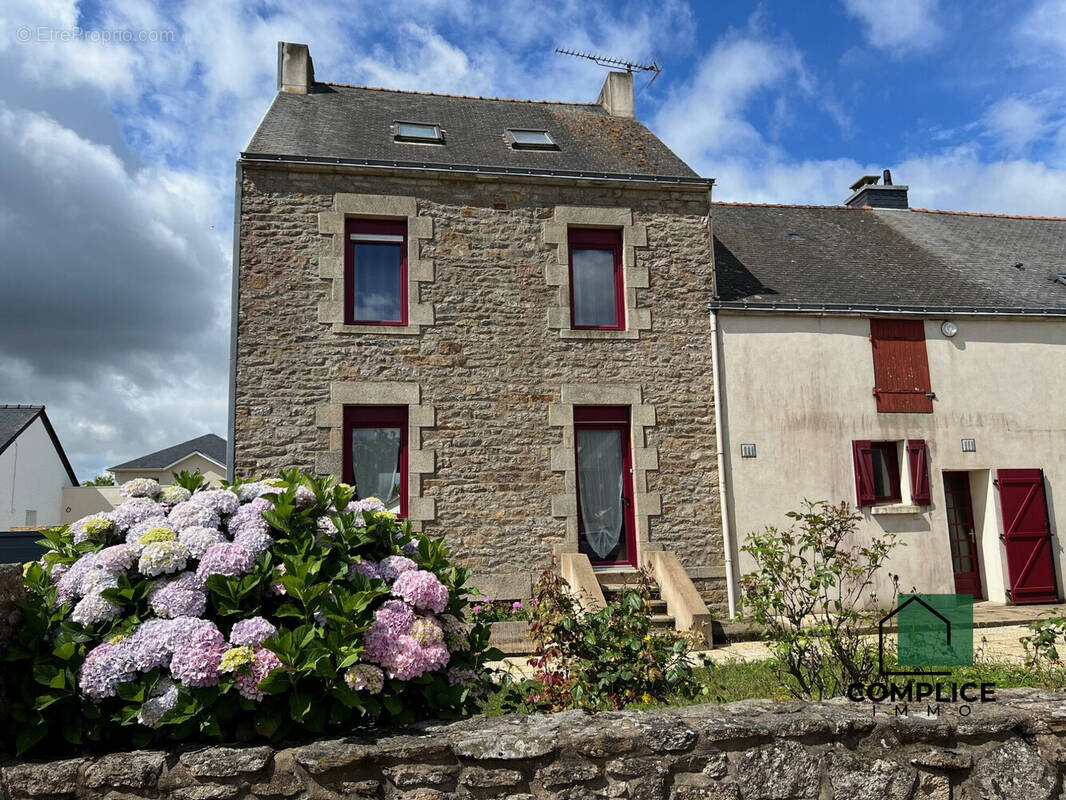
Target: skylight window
(418,132)
(531,140)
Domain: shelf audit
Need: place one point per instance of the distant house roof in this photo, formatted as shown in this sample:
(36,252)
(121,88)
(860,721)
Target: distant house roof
(841,258)
(354,124)
(208,445)
(14,419)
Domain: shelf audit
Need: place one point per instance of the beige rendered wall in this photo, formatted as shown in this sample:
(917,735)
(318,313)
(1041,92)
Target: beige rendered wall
(799,387)
(81,501)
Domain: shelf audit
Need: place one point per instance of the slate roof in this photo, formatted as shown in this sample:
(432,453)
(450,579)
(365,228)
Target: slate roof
(352,123)
(837,256)
(214,447)
(14,419)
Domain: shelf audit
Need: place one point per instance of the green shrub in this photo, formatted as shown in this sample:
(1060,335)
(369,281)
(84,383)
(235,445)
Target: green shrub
(808,591)
(605,659)
(262,610)
(1046,632)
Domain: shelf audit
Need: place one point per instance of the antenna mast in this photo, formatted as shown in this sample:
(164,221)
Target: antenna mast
(605,61)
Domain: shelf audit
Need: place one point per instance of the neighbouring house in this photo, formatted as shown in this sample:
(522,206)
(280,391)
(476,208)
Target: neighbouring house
(33,468)
(205,454)
(489,313)
(910,361)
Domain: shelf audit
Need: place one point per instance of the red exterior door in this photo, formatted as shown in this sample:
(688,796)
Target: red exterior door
(605,518)
(964,562)
(1027,535)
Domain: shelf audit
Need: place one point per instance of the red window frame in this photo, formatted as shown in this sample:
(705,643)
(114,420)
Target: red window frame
(372,227)
(862,451)
(598,239)
(617,418)
(376,417)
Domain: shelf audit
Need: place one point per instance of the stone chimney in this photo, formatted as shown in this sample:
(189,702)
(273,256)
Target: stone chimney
(296,73)
(616,96)
(866,192)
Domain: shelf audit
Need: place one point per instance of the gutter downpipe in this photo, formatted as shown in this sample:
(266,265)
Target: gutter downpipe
(235,294)
(723,490)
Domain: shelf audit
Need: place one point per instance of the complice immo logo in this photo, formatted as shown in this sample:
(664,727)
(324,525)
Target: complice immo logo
(934,632)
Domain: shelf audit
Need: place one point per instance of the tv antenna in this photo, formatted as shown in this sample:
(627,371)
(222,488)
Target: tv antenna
(605,61)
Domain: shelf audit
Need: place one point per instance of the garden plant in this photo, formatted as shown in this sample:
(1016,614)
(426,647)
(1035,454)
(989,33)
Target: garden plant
(811,594)
(605,659)
(262,609)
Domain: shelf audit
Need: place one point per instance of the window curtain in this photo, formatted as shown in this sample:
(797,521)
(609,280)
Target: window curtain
(594,290)
(376,464)
(599,473)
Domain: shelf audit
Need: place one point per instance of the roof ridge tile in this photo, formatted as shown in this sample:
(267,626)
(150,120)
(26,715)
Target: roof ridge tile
(457,96)
(986,214)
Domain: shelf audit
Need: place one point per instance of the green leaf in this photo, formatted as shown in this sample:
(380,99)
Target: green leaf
(29,735)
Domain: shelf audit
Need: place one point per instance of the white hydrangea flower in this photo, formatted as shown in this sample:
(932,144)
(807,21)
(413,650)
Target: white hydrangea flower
(140,487)
(172,495)
(160,558)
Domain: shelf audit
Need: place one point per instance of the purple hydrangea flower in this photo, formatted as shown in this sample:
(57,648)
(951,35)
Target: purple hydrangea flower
(197,540)
(174,494)
(249,519)
(163,698)
(254,542)
(134,511)
(252,490)
(226,558)
(326,526)
(365,677)
(304,497)
(71,583)
(222,501)
(92,609)
(391,567)
(117,558)
(159,558)
(140,487)
(247,681)
(105,667)
(367,568)
(192,514)
(253,631)
(196,664)
(461,677)
(181,596)
(421,589)
(359,506)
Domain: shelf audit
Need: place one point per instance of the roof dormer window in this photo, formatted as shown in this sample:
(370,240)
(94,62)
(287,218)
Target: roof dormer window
(422,132)
(530,140)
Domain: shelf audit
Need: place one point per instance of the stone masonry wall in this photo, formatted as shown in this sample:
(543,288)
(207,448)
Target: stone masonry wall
(1014,749)
(489,365)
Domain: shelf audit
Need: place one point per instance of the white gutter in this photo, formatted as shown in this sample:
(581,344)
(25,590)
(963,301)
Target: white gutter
(723,489)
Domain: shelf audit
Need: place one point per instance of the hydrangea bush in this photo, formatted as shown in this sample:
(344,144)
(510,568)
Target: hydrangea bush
(262,609)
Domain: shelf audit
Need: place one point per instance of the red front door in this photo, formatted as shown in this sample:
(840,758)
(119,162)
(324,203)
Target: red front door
(961,534)
(1027,535)
(605,519)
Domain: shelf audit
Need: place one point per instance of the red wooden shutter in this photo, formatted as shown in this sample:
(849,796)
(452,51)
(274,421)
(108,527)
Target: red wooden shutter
(901,366)
(1026,535)
(918,462)
(864,472)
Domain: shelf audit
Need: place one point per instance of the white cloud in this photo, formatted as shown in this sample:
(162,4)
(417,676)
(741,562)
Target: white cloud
(1016,123)
(899,27)
(1045,26)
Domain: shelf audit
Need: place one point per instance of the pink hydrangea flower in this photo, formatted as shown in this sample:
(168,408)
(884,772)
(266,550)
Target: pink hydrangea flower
(105,667)
(252,631)
(421,589)
(247,682)
(365,677)
(226,558)
(391,567)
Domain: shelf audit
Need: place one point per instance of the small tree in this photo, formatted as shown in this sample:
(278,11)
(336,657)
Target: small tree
(808,592)
(103,479)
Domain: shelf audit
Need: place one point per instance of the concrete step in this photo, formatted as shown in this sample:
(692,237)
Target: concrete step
(662,621)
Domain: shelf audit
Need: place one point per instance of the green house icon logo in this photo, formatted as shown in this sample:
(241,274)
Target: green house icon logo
(933,630)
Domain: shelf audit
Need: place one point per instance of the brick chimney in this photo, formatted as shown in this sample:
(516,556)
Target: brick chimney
(616,96)
(296,72)
(866,192)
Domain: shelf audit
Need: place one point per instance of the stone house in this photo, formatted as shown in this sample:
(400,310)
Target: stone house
(909,361)
(490,313)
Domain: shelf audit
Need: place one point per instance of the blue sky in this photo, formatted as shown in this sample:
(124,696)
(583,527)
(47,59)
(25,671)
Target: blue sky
(116,157)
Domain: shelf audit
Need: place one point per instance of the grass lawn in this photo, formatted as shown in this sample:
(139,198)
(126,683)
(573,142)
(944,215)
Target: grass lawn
(746,680)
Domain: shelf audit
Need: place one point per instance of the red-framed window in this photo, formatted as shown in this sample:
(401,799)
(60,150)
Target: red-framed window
(876,472)
(375,272)
(375,454)
(901,366)
(605,517)
(597,292)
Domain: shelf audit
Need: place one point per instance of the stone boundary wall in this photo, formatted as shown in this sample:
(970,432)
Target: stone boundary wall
(756,750)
